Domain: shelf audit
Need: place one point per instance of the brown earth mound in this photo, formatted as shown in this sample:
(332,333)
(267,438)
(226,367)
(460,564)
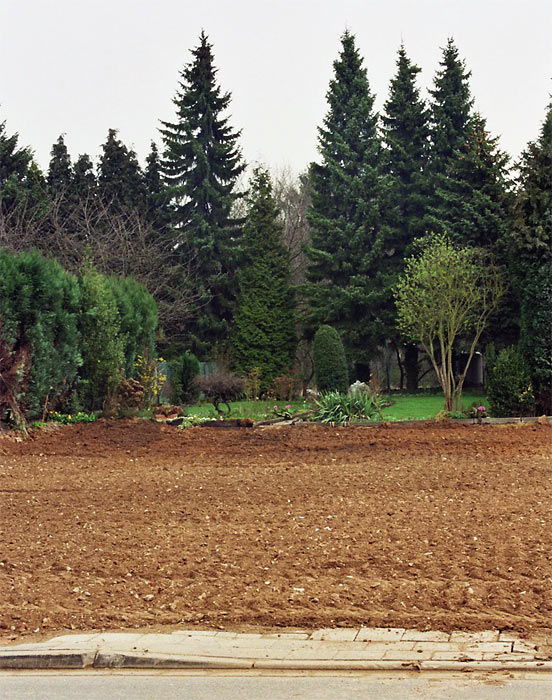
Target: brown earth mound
(137,524)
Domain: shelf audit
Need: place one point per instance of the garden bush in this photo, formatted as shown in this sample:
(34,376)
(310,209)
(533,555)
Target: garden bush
(330,364)
(509,388)
(39,338)
(220,388)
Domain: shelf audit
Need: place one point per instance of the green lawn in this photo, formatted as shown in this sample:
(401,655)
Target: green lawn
(422,406)
(405,407)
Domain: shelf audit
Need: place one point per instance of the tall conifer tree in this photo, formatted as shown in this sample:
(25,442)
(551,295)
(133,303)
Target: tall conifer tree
(60,173)
(263,334)
(467,172)
(157,204)
(201,164)
(120,178)
(346,273)
(84,178)
(406,133)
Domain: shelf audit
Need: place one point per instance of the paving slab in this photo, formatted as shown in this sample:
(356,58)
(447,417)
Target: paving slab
(326,649)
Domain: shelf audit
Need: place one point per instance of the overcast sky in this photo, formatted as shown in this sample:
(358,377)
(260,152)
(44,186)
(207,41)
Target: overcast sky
(80,67)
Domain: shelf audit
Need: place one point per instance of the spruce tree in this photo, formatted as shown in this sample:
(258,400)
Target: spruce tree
(201,164)
(406,133)
(348,286)
(450,119)
(467,173)
(120,178)
(263,334)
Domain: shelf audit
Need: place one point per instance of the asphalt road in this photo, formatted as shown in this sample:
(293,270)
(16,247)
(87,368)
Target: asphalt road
(96,685)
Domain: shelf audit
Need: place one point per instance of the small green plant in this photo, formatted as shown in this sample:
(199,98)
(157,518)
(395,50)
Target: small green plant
(334,407)
(193,421)
(182,371)
(66,418)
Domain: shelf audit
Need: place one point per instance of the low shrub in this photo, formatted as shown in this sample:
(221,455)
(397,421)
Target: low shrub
(509,388)
(334,407)
(330,364)
(220,388)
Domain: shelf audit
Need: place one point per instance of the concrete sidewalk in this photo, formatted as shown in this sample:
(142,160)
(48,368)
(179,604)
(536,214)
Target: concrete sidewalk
(370,649)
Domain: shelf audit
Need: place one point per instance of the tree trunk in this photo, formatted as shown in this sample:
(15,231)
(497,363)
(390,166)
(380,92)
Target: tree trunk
(411,368)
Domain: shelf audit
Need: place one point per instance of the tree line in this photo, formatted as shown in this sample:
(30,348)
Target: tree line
(251,272)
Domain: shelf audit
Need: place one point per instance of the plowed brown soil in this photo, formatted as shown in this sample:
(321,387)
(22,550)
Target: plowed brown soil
(136,524)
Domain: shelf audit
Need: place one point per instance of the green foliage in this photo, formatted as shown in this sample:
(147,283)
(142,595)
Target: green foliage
(447,292)
(103,344)
(509,388)
(182,372)
(39,307)
(60,173)
(330,364)
(137,314)
(201,163)
(263,334)
(120,179)
(466,173)
(14,168)
(530,248)
(68,418)
(339,408)
(348,232)
(536,333)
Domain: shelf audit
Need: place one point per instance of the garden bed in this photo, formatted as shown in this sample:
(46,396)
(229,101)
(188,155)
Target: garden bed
(138,524)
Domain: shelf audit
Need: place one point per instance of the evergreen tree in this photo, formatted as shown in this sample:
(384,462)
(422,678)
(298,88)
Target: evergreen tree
(467,173)
(450,120)
(263,335)
(84,179)
(60,173)
(120,179)
(531,259)
(348,286)
(330,363)
(157,204)
(406,134)
(201,164)
(14,166)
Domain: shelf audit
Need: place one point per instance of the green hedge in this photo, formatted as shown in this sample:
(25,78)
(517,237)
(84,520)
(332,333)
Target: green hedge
(65,341)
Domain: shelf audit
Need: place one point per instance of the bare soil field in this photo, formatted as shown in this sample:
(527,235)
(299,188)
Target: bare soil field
(125,524)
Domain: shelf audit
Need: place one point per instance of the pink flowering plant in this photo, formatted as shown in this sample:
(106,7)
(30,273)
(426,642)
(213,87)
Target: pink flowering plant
(281,411)
(478,412)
